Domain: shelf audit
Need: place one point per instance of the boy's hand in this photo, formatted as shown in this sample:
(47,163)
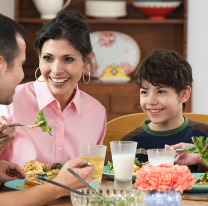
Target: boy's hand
(185,157)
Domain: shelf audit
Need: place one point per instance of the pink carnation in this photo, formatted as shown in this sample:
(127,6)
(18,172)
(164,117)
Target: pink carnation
(164,177)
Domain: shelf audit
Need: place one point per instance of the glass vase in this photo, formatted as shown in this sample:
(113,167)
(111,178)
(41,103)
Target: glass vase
(170,197)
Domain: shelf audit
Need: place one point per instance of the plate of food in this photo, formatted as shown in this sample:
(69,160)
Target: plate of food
(114,48)
(108,170)
(201,183)
(20,184)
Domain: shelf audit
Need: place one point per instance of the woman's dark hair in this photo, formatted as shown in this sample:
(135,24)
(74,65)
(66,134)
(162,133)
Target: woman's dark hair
(9,48)
(162,67)
(67,25)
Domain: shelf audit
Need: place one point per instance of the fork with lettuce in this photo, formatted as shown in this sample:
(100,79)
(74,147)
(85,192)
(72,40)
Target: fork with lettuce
(44,126)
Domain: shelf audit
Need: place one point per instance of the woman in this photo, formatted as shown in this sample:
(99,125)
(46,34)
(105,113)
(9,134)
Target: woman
(65,52)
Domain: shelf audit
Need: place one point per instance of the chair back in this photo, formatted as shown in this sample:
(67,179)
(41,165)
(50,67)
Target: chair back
(120,126)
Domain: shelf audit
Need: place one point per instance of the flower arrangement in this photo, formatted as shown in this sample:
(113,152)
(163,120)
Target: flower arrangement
(164,177)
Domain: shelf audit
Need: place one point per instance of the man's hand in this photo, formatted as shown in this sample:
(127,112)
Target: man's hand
(66,178)
(7,134)
(10,171)
(185,157)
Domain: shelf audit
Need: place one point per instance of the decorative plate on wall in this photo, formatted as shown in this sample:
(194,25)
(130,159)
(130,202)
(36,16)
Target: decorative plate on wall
(114,48)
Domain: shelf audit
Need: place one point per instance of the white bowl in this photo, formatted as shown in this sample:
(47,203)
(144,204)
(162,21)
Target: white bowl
(105,9)
(105,4)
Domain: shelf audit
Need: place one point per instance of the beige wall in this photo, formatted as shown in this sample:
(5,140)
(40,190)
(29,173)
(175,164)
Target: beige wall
(7,8)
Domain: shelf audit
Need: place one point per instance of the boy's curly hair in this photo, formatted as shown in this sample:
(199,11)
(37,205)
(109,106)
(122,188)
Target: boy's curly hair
(163,67)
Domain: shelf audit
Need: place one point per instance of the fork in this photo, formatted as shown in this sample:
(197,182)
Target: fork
(29,127)
(144,151)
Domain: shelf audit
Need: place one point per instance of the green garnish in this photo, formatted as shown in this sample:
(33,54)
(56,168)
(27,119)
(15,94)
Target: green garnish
(204,176)
(110,165)
(45,127)
(201,146)
(140,164)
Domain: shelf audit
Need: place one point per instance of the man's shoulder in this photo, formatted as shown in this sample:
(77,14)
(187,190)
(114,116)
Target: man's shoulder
(132,134)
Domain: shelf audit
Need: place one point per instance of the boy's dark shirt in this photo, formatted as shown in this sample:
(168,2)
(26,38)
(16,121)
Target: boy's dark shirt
(149,139)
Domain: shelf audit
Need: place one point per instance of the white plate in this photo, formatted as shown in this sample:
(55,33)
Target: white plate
(114,80)
(114,48)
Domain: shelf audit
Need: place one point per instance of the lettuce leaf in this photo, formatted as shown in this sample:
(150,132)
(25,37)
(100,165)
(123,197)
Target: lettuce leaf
(201,145)
(45,127)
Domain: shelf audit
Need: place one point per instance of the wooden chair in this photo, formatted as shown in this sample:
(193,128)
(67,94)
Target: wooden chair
(120,126)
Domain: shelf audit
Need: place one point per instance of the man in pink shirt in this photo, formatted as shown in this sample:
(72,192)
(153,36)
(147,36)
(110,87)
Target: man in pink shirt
(12,57)
(75,118)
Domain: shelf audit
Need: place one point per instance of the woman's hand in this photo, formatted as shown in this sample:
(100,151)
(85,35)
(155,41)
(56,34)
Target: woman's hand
(66,178)
(7,134)
(10,171)
(185,157)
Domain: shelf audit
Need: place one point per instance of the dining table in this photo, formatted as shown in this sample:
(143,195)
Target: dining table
(109,183)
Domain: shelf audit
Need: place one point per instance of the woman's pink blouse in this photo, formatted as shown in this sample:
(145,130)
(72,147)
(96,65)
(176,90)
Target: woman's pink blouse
(83,121)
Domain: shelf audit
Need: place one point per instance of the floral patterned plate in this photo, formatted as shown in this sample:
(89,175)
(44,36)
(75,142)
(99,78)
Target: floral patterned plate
(114,48)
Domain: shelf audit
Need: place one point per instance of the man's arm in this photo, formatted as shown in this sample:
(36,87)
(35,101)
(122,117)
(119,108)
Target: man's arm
(42,194)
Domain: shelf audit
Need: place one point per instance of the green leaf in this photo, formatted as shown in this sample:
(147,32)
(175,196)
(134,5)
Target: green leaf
(191,149)
(204,176)
(110,165)
(45,127)
(202,147)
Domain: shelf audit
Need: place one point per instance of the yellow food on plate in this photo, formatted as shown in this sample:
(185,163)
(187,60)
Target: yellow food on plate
(114,71)
(35,167)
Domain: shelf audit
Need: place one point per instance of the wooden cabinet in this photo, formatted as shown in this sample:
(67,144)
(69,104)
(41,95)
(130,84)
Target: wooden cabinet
(119,99)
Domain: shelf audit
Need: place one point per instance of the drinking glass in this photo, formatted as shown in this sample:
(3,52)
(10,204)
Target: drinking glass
(161,156)
(123,155)
(96,155)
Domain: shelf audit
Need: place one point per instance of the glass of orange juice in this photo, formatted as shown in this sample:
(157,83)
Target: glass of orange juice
(96,155)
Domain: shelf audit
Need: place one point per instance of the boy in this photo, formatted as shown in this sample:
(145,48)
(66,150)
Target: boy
(165,81)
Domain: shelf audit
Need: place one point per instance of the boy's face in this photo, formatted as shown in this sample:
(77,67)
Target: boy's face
(163,106)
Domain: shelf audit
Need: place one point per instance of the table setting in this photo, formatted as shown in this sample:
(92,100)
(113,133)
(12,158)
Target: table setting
(152,184)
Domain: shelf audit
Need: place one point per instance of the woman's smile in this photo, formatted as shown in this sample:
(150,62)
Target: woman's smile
(59,81)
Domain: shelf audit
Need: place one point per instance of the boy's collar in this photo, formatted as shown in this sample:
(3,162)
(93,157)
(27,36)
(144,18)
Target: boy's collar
(164,133)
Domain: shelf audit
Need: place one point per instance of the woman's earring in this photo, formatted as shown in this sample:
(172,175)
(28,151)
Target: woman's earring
(88,77)
(36,75)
